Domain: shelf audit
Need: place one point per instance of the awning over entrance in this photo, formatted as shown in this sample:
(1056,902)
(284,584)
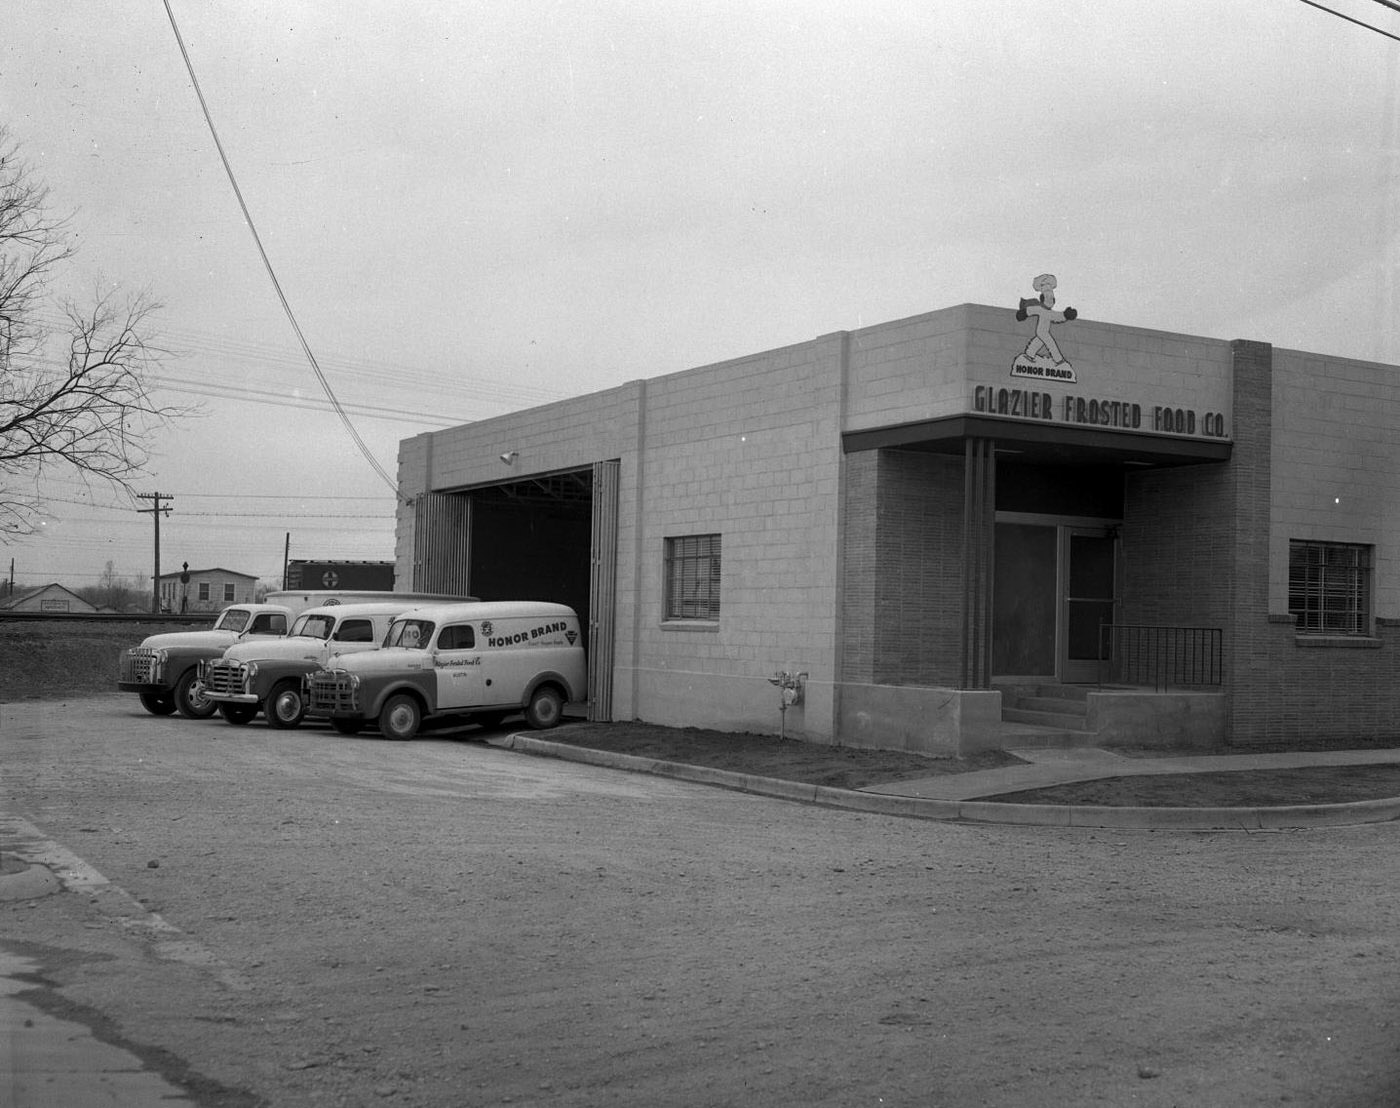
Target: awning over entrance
(1044,442)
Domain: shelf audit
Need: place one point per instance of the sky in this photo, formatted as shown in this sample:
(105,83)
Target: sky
(480,206)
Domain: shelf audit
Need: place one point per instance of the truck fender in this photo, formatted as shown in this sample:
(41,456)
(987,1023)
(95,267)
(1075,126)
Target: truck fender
(547,677)
(414,686)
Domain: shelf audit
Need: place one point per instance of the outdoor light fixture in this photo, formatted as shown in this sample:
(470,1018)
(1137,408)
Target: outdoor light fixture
(509,456)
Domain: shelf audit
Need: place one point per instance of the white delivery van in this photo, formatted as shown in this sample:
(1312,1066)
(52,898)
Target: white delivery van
(485,660)
(164,669)
(267,675)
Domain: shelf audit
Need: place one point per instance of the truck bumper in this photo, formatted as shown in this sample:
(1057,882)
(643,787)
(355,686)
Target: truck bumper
(231,698)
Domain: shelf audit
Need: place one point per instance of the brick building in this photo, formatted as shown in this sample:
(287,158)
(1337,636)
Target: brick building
(959,532)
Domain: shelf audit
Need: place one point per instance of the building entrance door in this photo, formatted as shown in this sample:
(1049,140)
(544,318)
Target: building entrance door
(1089,574)
(1055,583)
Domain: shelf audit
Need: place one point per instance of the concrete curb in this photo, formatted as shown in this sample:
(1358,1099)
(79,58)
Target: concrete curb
(977,811)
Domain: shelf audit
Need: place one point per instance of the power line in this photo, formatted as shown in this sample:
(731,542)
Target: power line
(1359,23)
(267,263)
(280,496)
(220,391)
(281,515)
(238,495)
(274,358)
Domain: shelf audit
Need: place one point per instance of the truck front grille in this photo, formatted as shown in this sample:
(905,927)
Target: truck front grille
(331,691)
(138,665)
(223,676)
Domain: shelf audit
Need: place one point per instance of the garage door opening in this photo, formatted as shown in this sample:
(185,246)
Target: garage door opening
(546,537)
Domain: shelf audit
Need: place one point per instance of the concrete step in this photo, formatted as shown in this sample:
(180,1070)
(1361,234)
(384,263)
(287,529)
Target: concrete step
(1066,721)
(1059,692)
(1055,704)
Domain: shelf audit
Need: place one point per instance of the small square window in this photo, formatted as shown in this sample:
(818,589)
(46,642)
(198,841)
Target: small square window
(692,577)
(355,630)
(1329,587)
(457,637)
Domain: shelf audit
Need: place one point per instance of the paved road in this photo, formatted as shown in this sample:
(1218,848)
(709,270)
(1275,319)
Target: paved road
(300,919)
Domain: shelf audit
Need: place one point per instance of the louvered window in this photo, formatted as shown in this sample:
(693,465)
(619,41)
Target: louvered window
(692,577)
(1329,587)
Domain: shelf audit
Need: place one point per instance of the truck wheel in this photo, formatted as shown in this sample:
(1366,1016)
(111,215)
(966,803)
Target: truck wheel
(190,700)
(345,725)
(545,708)
(238,714)
(157,704)
(285,705)
(400,718)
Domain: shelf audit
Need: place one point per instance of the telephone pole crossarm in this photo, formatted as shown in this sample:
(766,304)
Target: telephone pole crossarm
(155,512)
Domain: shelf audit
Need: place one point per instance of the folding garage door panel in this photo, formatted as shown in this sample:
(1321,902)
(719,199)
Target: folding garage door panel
(602,589)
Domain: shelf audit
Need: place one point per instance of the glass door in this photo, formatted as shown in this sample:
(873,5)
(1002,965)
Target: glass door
(1089,573)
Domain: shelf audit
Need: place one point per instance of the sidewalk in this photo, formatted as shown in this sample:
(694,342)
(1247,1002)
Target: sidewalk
(47,1062)
(955,796)
(1046,767)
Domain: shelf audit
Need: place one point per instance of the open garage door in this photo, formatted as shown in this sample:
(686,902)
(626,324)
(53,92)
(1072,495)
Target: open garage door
(548,537)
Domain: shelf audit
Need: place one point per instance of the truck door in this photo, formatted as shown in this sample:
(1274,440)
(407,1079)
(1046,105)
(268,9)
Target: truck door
(457,664)
(267,625)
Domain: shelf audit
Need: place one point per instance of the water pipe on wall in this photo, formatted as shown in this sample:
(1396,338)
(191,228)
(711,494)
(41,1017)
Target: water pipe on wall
(791,686)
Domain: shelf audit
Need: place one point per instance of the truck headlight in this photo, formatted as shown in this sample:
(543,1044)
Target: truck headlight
(250,670)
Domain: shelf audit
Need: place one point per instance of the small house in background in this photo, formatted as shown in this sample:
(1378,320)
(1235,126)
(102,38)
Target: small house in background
(46,598)
(205,590)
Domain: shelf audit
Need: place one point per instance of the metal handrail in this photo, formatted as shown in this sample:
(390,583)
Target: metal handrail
(1163,657)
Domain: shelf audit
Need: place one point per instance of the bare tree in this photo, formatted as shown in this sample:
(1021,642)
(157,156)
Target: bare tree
(74,388)
(120,594)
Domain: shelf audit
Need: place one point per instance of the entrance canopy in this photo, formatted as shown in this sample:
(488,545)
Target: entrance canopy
(1040,442)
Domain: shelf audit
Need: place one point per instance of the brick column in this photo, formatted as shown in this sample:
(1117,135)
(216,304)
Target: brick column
(1247,664)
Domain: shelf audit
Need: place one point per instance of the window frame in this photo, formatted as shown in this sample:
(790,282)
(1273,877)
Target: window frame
(1331,588)
(449,638)
(692,578)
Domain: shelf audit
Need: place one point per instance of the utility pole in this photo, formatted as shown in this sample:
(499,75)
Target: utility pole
(155,512)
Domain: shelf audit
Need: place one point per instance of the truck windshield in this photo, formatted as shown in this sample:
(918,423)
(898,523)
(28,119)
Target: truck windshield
(233,619)
(409,633)
(314,627)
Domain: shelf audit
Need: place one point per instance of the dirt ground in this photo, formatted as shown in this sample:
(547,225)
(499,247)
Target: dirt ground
(305,919)
(79,658)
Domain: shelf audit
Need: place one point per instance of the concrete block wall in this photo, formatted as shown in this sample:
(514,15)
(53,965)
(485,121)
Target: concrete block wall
(570,434)
(413,481)
(748,450)
(1332,476)
(1336,465)
(908,370)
